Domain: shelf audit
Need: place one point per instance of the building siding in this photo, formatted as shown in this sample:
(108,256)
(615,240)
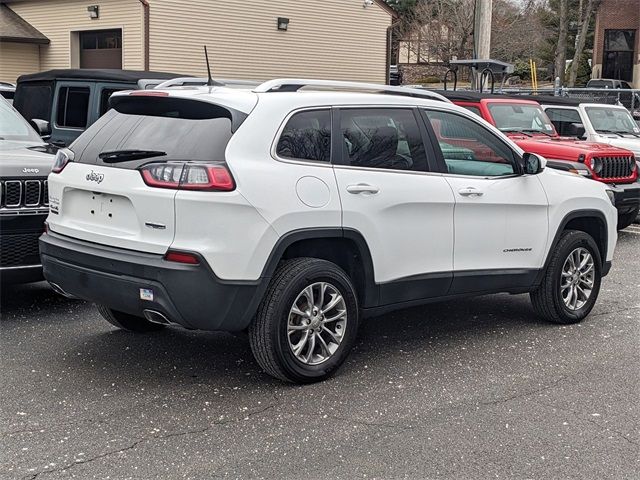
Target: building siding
(16,59)
(57,19)
(330,39)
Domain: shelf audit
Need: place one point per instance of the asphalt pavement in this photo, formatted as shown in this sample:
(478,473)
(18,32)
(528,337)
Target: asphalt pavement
(470,389)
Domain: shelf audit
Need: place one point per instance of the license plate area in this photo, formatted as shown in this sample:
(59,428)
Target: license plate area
(107,211)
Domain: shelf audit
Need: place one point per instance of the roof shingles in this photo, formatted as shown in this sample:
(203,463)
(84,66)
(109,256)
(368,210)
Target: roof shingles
(13,28)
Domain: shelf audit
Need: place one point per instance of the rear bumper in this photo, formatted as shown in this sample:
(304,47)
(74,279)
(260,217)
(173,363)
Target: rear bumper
(627,196)
(190,295)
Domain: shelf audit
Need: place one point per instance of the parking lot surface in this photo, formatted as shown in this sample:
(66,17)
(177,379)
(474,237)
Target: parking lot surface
(470,389)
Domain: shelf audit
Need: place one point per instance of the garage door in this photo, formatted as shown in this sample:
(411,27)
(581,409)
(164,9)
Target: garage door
(101,49)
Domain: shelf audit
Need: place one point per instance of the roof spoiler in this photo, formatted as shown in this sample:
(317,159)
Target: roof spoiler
(295,84)
(203,82)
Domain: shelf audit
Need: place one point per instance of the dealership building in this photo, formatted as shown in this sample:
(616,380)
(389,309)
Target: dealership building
(251,39)
(616,45)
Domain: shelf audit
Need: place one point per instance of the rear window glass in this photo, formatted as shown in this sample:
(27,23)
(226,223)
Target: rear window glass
(33,101)
(73,107)
(203,139)
(307,136)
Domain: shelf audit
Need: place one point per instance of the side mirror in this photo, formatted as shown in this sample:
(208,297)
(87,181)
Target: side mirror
(41,126)
(576,130)
(533,164)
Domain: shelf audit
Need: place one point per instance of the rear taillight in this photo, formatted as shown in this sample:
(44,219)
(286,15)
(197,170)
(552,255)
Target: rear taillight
(62,159)
(181,257)
(188,176)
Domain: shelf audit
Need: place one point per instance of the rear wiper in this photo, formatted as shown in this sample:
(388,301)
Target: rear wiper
(117,156)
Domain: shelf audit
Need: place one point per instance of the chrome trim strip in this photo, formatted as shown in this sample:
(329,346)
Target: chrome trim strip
(21,267)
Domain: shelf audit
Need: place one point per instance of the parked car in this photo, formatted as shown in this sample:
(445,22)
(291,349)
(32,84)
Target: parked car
(66,102)
(527,124)
(607,83)
(7,90)
(395,75)
(294,214)
(25,163)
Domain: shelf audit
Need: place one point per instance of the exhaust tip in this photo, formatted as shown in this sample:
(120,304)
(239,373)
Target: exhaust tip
(58,289)
(156,317)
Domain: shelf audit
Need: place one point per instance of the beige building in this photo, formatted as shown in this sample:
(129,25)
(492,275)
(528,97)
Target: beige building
(253,39)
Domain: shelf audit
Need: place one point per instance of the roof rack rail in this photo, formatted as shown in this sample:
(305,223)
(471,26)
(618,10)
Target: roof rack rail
(295,84)
(202,82)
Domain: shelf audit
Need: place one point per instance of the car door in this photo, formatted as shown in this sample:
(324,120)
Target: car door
(71,111)
(388,194)
(500,218)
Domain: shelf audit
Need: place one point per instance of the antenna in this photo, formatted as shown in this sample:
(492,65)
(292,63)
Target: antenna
(210,81)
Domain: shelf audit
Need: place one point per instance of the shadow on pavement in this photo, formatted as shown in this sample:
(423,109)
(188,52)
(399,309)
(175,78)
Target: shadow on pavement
(177,356)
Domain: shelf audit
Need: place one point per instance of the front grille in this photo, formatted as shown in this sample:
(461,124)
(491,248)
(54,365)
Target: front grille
(19,250)
(616,167)
(32,193)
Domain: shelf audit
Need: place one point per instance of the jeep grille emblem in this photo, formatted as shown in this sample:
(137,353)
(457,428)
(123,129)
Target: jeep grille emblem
(30,170)
(95,177)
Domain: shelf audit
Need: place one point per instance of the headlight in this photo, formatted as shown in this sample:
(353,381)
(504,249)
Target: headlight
(63,157)
(633,164)
(612,197)
(596,165)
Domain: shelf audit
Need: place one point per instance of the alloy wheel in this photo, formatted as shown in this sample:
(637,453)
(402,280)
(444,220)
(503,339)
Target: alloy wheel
(317,323)
(578,277)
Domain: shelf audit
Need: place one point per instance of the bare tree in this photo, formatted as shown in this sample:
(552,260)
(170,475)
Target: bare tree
(561,49)
(584,20)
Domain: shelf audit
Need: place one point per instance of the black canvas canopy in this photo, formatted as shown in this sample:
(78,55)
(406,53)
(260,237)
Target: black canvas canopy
(103,75)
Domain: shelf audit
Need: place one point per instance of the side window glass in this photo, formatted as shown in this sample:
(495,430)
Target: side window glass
(307,136)
(470,149)
(105,94)
(73,107)
(382,138)
(562,119)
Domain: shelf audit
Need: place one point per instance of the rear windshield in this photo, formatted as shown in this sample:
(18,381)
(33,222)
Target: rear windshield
(33,101)
(189,139)
(14,127)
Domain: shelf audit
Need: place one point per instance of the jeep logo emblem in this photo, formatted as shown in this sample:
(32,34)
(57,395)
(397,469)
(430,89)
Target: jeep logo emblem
(95,177)
(30,170)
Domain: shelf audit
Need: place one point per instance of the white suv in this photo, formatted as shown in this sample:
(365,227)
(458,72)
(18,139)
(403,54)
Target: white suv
(297,208)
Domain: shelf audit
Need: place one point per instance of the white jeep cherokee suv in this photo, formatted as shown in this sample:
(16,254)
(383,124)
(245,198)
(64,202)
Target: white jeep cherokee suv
(292,214)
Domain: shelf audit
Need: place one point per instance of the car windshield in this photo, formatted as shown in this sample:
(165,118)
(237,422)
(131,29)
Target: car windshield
(521,118)
(612,120)
(13,126)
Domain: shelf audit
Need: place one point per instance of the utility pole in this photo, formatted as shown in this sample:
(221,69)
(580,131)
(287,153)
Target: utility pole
(481,34)
(482,29)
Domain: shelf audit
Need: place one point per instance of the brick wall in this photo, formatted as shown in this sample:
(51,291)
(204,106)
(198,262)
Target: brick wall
(616,15)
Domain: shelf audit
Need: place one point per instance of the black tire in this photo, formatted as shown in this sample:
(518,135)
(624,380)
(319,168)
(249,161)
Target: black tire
(268,332)
(128,322)
(547,298)
(626,219)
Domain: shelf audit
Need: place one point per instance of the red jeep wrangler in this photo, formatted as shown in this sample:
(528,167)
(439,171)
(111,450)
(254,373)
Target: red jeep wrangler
(526,123)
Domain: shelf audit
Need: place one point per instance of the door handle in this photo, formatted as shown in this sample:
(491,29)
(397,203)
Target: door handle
(362,188)
(470,192)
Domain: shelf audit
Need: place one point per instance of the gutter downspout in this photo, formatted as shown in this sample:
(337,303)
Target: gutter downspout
(145,8)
